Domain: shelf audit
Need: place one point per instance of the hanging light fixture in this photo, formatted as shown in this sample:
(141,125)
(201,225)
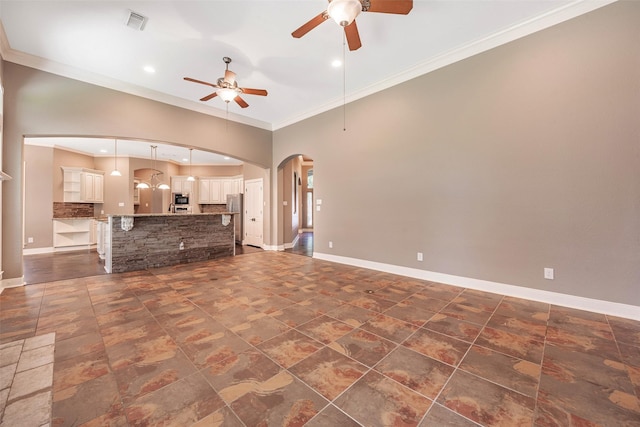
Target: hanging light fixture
(115,171)
(344,11)
(144,185)
(154,174)
(161,185)
(227,94)
(190,177)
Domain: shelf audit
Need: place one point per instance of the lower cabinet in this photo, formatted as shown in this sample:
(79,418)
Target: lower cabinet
(73,232)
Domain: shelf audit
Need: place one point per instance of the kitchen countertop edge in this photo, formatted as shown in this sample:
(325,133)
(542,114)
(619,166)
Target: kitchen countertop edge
(173,214)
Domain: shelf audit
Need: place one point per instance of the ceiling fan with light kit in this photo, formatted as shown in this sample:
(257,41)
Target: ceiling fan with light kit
(227,87)
(344,13)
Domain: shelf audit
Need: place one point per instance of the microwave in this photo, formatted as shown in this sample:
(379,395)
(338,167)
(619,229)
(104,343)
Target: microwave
(180,199)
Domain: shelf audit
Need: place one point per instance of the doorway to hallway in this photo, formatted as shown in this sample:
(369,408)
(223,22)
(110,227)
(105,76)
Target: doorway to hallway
(304,245)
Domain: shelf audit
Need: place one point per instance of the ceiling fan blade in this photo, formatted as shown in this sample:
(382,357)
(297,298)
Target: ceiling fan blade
(229,77)
(353,36)
(314,22)
(401,7)
(249,91)
(189,79)
(241,102)
(208,97)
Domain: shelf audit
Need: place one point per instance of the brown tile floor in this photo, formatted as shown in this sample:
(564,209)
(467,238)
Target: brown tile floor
(271,339)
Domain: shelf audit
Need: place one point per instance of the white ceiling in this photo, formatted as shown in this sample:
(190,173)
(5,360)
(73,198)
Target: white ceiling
(88,40)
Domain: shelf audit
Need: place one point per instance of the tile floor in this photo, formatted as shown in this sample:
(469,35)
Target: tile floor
(26,378)
(276,339)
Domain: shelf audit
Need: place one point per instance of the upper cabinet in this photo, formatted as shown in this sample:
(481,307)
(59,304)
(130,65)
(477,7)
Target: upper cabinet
(180,185)
(210,191)
(83,185)
(214,190)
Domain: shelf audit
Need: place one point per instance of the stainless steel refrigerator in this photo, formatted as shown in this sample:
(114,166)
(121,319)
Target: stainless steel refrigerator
(234,204)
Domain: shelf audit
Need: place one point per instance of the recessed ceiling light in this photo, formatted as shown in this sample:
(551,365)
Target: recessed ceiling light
(336,63)
(185,160)
(102,150)
(226,157)
(149,69)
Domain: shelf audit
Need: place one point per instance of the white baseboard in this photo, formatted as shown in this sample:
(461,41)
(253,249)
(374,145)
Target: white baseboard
(36,251)
(292,244)
(50,250)
(11,283)
(571,301)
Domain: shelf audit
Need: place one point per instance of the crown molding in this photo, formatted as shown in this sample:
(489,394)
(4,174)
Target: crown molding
(541,22)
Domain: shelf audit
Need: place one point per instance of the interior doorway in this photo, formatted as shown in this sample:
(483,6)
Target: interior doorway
(253,213)
(297,215)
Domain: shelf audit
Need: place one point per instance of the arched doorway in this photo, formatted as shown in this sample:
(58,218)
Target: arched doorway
(295,176)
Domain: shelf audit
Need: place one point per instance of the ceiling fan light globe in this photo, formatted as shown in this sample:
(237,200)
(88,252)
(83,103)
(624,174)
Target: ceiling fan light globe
(344,11)
(143,185)
(227,94)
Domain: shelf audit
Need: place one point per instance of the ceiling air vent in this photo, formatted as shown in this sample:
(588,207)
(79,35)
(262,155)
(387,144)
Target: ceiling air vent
(136,21)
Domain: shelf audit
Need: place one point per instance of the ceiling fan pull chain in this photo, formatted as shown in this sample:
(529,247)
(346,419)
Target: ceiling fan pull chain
(344,82)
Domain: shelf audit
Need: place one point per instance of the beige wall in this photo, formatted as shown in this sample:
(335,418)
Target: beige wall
(39,164)
(523,157)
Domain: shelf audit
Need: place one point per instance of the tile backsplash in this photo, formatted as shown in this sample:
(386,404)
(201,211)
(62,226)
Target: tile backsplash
(73,210)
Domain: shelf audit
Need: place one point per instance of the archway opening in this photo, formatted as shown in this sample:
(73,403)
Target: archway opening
(296,207)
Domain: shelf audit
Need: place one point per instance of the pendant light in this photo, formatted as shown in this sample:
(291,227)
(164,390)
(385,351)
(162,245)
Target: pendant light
(115,171)
(161,185)
(144,185)
(190,177)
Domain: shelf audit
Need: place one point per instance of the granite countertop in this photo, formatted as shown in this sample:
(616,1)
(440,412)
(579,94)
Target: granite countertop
(72,217)
(174,214)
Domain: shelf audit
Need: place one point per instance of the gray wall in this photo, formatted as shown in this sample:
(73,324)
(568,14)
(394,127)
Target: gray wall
(523,157)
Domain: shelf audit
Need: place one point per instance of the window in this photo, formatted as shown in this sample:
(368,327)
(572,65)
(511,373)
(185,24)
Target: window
(310,178)
(310,208)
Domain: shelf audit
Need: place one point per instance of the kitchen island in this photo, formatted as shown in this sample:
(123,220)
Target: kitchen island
(142,241)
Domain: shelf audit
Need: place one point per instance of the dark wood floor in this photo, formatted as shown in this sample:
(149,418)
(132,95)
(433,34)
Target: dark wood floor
(304,246)
(55,266)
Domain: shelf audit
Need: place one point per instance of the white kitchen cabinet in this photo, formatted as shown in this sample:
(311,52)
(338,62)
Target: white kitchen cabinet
(214,190)
(72,232)
(180,185)
(83,185)
(101,235)
(238,185)
(210,191)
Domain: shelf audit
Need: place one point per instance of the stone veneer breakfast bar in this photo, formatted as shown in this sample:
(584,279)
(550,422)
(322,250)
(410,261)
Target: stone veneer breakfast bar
(138,242)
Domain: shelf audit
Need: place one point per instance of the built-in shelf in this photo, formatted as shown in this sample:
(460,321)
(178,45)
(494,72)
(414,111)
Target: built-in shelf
(73,232)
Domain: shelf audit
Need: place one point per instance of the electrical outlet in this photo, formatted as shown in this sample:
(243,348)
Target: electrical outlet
(29,239)
(181,246)
(420,257)
(330,244)
(548,273)
(121,204)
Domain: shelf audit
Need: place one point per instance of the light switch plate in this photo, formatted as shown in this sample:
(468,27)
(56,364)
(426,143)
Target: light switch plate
(548,273)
